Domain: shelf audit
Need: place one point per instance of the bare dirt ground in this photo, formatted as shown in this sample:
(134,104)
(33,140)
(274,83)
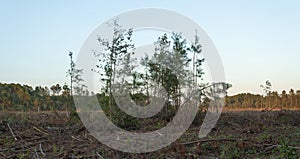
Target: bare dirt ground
(238,134)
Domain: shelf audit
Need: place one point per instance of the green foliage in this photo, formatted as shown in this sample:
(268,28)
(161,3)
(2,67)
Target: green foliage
(56,89)
(140,99)
(54,149)
(118,117)
(21,156)
(264,136)
(125,121)
(285,151)
(117,52)
(230,152)
(267,87)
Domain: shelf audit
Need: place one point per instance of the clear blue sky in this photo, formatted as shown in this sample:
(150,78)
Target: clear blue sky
(257,40)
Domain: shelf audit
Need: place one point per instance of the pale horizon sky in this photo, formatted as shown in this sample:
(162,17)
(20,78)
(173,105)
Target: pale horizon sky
(257,40)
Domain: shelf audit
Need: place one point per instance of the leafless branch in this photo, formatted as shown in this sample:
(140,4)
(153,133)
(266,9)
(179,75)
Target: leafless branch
(12,132)
(41,150)
(36,154)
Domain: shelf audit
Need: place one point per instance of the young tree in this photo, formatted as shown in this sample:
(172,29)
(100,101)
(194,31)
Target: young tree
(166,66)
(75,78)
(284,98)
(297,98)
(180,58)
(169,66)
(267,89)
(274,95)
(38,97)
(5,100)
(291,94)
(197,62)
(145,77)
(27,92)
(115,50)
(66,90)
(55,89)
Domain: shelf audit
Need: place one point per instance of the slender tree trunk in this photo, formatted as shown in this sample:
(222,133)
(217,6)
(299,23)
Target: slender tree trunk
(194,73)
(291,105)
(196,80)
(276,100)
(266,104)
(147,87)
(261,102)
(270,102)
(110,94)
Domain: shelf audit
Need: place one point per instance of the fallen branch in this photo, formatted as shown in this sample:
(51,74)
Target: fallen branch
(270,146)
(3,149)
(99,155)
(75,138)
(12,132)
(39,130)
(36,154)
(41,150)
(273,146)
(3,154)
(54,128)
(75,156)
(23,148)
(213,140)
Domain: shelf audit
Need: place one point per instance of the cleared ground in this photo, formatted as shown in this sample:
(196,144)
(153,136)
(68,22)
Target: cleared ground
(238,134)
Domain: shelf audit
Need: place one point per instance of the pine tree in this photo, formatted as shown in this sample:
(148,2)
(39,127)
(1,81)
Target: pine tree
(115,51)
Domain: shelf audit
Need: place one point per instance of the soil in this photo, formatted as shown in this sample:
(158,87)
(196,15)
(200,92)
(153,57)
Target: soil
(237,134)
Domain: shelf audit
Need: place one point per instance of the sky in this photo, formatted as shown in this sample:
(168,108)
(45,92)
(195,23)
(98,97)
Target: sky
(257,40)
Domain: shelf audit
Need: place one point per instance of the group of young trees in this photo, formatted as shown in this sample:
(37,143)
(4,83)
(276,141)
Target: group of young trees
(173,66)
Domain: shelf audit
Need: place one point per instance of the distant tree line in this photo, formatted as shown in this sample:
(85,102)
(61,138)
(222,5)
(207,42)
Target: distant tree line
(273,99)
(57,97)
(25,98)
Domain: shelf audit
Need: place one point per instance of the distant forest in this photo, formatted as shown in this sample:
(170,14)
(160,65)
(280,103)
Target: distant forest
(25,98)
